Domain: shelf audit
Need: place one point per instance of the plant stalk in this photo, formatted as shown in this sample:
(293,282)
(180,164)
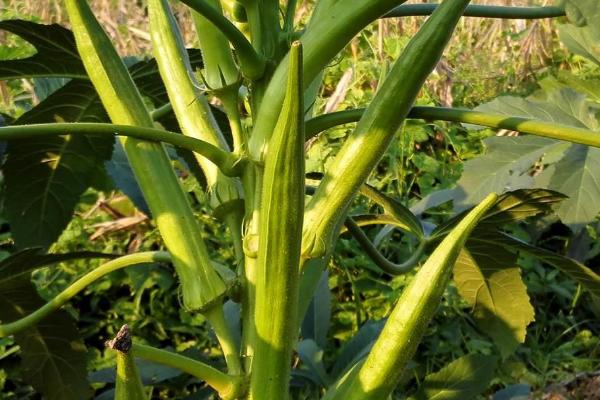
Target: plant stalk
(228,163)
(524,125)
(482,11)
(228,387)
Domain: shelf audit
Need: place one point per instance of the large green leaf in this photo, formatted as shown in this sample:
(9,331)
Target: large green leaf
(53,356)
(582,35)
(56,52)
(576,175)
(45,177)
(318,316)
(574,269)
(462,379)
(564,106)
(504,166)
(513,206)
(488,278)
(508,161)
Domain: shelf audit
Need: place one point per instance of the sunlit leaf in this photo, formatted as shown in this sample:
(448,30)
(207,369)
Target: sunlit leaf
(488,278)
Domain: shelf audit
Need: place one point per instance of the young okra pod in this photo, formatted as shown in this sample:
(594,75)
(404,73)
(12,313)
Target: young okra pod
(190,106)
(366,145)
(383,368)
(201,285)
(280,234)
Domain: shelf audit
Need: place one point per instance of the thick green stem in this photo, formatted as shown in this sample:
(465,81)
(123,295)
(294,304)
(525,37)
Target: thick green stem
(405,327)
(228,163)
(252,64)
(280,233)
(228,387)
(481,11)
(225,338)
(252,185)
(523,125)
(63,297)
(366,145)
(201,285)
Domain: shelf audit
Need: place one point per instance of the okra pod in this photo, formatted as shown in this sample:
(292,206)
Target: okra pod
(405,327)
(190,106)
(280,233)
(366,145)
(200,283)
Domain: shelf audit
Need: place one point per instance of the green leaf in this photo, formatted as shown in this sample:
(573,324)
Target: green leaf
(396,210)
(521,204)
(312,357)
(564,106)
(504,166)
(488,278)
(513,206)
(508,161)
(356,348)
(582,36)
(583,275)
(576,175)
(462,379)
(56,52)
(53,356)
(45,177)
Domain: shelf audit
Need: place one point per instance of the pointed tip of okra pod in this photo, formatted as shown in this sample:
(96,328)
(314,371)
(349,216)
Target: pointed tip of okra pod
(122,341)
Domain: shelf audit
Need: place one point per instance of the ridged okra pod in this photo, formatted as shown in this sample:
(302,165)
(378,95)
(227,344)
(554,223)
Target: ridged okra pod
(200,283)
(396,345)
(280,233)
(366,145)
(128,383)
(190,106)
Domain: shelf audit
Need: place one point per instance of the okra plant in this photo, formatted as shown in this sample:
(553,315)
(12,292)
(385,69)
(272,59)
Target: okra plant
(263,70)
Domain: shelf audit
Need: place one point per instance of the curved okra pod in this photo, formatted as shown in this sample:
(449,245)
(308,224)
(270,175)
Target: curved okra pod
(383,368)
(366,145)
(201,285)
(190,106)
(280,233)
(128,384)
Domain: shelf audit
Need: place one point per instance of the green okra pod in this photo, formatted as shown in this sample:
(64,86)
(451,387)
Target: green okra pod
(394,348)
(366,145)
(189,104)
(280,233)
(200,283)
